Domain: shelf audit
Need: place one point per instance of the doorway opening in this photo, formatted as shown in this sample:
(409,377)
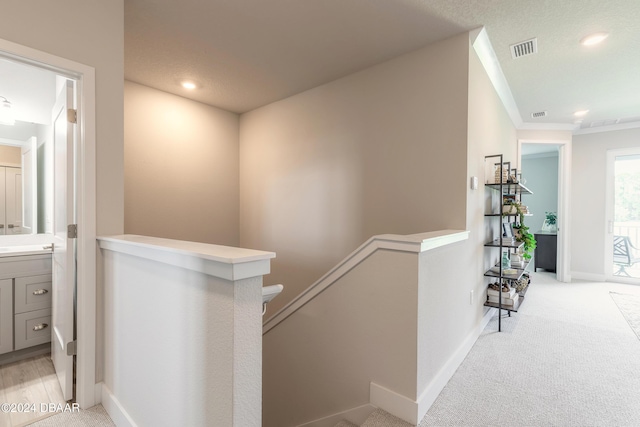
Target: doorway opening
(623,216)
(553,203)
(80,206)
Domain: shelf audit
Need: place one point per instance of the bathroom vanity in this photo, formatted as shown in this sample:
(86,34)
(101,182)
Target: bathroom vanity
(25,300)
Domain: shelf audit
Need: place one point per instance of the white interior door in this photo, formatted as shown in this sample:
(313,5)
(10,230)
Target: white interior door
(64,279)
(29,194)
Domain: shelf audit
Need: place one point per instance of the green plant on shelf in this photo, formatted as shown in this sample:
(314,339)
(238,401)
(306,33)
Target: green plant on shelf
(522,233)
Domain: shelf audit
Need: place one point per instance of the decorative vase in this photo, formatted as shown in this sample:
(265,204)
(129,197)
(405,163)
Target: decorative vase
(506,262)
(549,228)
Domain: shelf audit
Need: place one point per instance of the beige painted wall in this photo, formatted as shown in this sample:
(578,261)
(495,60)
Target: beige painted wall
(443,295)
(321,359)
(379,151)
(589,168)
(181,168)
(10,156)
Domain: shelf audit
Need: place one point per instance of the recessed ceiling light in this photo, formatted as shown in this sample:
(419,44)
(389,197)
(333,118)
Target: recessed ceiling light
(592,39)
(581,113)
(188,85)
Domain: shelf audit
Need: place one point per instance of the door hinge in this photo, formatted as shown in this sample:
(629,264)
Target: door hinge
(72,115)
(72,231)
(72,348)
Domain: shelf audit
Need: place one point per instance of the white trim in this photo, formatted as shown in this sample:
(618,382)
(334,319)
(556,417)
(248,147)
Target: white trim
(548,126)
(433,390)
(116,411)
(11,142)
(564,202)
(598,129)
(354,415)
(394,403)
(413,411)
(220,261)
(86,208)
(592,277)
(411,243)
(609,206)
(548,154)
(486,54)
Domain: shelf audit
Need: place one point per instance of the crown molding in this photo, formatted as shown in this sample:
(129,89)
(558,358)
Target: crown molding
(482,45)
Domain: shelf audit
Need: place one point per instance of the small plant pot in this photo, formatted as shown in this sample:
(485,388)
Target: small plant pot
(509,209)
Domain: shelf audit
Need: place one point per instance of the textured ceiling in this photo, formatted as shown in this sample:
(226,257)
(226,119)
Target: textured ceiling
(247,53)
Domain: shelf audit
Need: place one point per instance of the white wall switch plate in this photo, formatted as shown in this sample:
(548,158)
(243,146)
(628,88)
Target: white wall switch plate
(474,182)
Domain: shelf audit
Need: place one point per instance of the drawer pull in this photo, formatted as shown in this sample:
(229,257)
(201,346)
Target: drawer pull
(40,291)
(40,327)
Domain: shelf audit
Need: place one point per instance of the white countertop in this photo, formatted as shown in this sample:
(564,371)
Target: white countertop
(6,251)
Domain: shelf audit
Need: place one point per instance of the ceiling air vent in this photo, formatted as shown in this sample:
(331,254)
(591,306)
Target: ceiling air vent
(527,47)
(538,114)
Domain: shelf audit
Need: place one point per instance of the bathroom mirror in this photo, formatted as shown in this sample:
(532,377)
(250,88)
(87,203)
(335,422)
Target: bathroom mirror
(25,180)
(26,154)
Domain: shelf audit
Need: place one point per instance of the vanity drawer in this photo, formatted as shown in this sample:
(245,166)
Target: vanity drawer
(32,293)
(32,328)
(27,265)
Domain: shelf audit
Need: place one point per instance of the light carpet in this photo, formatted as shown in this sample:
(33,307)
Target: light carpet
(567,358)
(629,306)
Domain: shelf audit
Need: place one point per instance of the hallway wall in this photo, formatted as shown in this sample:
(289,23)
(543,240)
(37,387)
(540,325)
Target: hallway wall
(589,166)
(380,151)
(181,168)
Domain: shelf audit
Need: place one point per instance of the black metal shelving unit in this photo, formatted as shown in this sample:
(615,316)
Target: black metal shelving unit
(505,187)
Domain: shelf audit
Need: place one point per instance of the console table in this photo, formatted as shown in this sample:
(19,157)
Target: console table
(546,250)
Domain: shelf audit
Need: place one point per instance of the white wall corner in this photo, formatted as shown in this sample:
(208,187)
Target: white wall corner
(97,393)
(481,44)
(592,277)
(394,403)
(115,409)
(356,416)
(432,391)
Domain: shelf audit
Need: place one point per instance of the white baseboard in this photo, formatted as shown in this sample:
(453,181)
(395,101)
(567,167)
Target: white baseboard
(97,393)
(115,410)
(413,411)
(394,403)
(355,415)
(432,391)
(579,275)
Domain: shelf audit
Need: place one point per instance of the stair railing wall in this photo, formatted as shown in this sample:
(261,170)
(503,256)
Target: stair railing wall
(359,334)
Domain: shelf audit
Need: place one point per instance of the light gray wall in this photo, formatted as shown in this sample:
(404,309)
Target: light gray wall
(541,174)
(588,199)
(181,168)
(379,151)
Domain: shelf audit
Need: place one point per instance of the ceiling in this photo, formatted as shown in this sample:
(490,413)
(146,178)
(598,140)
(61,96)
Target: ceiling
(243,54)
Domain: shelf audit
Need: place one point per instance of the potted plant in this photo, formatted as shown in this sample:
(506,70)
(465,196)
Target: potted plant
(522,234)
(550,222)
